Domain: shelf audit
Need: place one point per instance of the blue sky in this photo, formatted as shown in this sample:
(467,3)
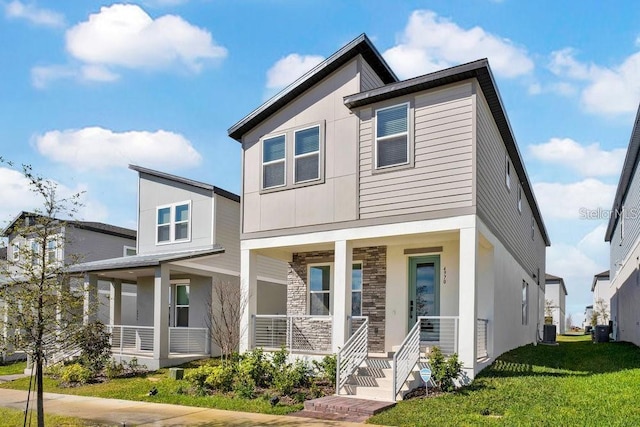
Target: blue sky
(90,86)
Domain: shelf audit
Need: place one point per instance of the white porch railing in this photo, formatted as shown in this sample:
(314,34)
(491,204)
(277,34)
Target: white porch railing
(481,343)
(428,331)
(299,334)
(352,354)
(138,340)
(189,340)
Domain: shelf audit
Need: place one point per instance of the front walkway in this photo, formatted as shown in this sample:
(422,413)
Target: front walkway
(130,413)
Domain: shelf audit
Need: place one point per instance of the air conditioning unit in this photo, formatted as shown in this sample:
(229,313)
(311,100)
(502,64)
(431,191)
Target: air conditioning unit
(549,334)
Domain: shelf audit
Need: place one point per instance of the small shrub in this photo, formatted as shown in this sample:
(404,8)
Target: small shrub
(93,340)
(221,377)
(134,368)
(198,376)
(292,376)
(114,369)
(327,368)
(244,386)
(279,358)
(54,371)
(75,373)
(443,370)
(256,364)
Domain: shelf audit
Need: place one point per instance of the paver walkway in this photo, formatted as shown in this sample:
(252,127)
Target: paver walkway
(124,412)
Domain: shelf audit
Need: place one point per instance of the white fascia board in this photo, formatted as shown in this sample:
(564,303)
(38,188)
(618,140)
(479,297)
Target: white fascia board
(356,233)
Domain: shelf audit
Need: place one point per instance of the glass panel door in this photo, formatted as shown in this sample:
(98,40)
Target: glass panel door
(424,294)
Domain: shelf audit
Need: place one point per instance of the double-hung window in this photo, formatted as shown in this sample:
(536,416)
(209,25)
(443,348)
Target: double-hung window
(52,250)
(320,290)
(392,136)
(182,305)
(274,162)
(519,199)
(307,154)
(507,172)
(356,290)
(173,223)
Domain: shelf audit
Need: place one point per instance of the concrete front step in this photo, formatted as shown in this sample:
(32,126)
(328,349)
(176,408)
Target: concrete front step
(346,405)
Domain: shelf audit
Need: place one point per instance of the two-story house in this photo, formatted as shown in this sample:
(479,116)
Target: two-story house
(402,208)
(188,242)
(73,242)
(623,235)
(555,293)
(602,294)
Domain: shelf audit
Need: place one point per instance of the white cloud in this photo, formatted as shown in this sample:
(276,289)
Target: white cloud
(95,148)
(125,36)
(587,160)
(35,15)
(568,201)
(430,42)
(286,70)
(593,244)
(165,3)
(16,196)
(605,90)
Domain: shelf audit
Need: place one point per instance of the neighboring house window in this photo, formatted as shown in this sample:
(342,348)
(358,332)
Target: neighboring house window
(129,251)
(320,290)
(392,136)
(525,303)
(356,290)
(182,305)
(16,252)
(35,252)
(307,154)
(174,223)
(52,251)
(519,199)
(273,162)
(507,172)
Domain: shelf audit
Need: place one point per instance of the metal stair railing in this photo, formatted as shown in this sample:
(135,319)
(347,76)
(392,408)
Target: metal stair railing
(352,354)
(405,359)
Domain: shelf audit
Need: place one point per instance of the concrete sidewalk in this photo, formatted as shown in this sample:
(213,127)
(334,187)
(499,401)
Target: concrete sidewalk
(125,412)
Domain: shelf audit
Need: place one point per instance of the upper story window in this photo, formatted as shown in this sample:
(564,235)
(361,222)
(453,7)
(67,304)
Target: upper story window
(274,162)
(52,251)
(507,172)
(173,223)
(519,199)
(307,154)
(392,136)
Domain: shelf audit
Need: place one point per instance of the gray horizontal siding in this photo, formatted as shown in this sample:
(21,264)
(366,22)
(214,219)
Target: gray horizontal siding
(368,78)
(497,206)
(91,246)
(227,233)
(442,176)
(620,248)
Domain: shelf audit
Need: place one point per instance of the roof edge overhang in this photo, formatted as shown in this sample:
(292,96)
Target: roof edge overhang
(628,169)
(360,45)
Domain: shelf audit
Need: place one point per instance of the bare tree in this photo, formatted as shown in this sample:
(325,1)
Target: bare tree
(41,310)
(569,321)
(601,311)
(225,314)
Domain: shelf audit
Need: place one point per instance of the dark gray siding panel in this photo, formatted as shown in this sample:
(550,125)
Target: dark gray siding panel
(621,246)
(368,78)
(442,175)
(497,206)
(91,246)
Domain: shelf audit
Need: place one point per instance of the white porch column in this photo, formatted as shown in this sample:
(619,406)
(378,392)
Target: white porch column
(90,310)
(161,285)
(248,292)
(468,305)
(341,293)
(115,302)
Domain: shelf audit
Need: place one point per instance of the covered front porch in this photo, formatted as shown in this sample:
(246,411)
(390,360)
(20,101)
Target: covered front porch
(378,292)
(156,308)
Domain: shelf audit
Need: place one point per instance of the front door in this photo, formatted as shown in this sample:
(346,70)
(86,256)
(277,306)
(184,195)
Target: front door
(424,294)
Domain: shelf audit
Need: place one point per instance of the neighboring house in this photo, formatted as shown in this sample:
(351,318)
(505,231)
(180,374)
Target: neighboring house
(82,241)
(556,292)
(588,314)
(600,287)
(623,234)
(188,242)
(400,202)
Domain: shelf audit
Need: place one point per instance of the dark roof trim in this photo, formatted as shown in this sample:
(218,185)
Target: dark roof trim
(202,185)
(603,275)
(628,169)
(98,227)
(481,71)
(360,45)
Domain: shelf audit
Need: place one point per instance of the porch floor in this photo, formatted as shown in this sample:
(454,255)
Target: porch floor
(341,408)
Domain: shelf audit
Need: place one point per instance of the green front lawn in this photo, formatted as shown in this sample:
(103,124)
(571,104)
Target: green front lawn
(15,417)
(574,383)
(169,391)
(12,368)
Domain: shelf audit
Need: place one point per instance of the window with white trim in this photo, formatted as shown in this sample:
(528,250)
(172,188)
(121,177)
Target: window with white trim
(16,252)
(274,162)
(519,199)
(173,223)
(320,290)
(525,303)
(52,250)
(356,290)
(306,163)
(392,136)
(182,306)
(35,252)
(533,228)
(129,251)
(507,172)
